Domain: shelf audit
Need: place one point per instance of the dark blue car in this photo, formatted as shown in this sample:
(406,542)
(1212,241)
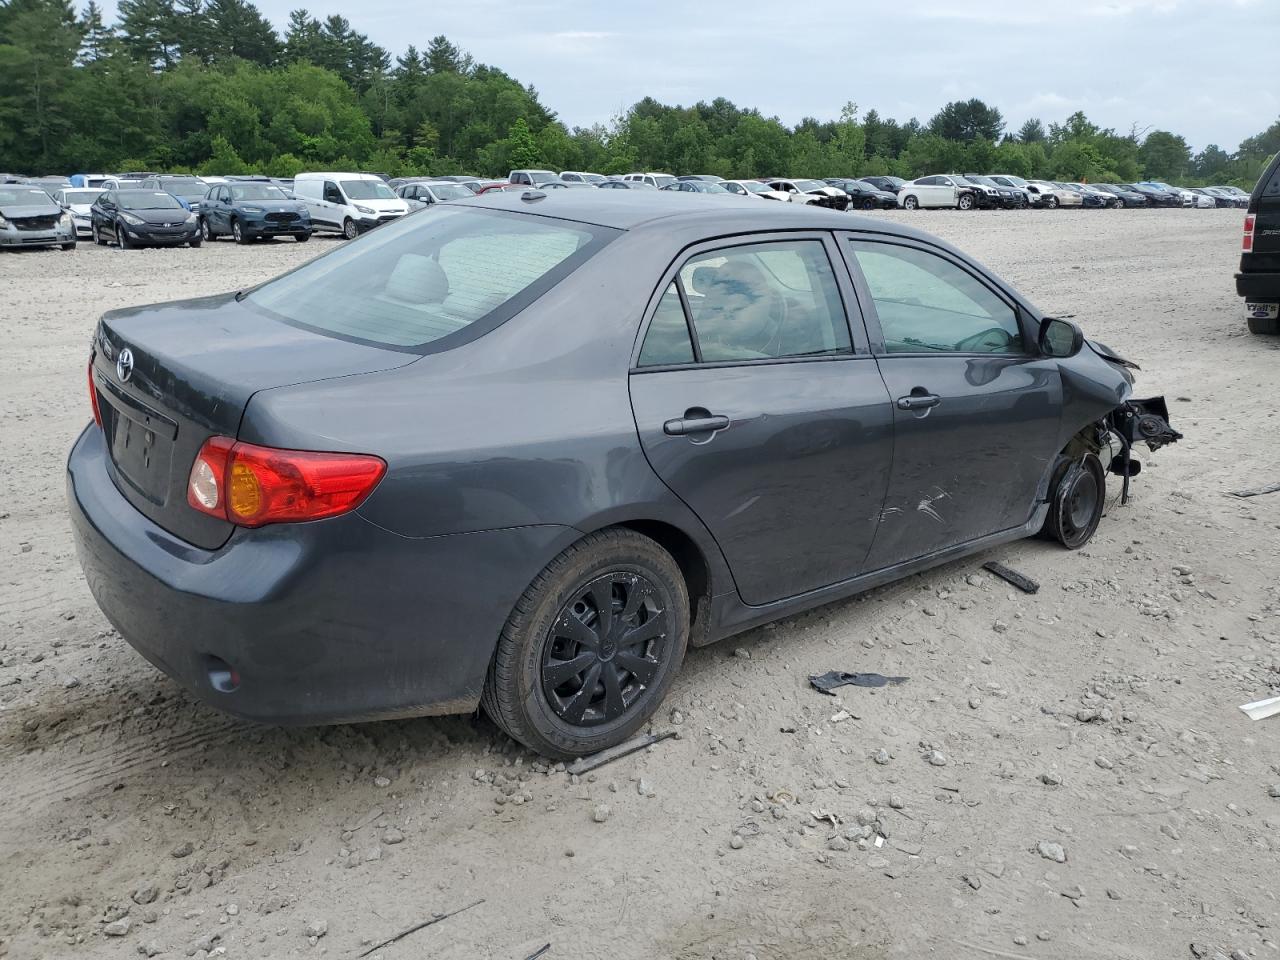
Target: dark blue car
(251,210)
(523,450)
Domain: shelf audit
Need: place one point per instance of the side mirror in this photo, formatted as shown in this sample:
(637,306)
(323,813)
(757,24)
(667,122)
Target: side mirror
(1060,338)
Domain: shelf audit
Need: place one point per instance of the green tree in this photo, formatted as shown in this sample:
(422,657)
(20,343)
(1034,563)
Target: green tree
(1164,156)
(523,148)
(99,39)
(1032,131)
(967,120)
(39,43)
(151,31)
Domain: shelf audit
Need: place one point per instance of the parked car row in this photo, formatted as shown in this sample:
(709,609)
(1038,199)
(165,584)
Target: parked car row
(133,209)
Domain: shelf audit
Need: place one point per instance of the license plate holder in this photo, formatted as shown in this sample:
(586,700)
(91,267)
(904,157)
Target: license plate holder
(1262,311)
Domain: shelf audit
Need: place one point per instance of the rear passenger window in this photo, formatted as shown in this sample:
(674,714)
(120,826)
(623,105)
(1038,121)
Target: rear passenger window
(927,304)
(668,338)
(765,301)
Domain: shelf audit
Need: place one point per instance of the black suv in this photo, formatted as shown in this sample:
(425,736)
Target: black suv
(1259,278)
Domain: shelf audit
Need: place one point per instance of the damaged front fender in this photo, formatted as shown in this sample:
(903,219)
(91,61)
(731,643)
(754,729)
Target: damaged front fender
(1139,421)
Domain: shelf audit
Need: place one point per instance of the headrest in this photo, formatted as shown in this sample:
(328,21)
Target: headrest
(418,280)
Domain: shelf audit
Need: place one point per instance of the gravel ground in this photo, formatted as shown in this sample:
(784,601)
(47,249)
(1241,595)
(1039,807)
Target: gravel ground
(1065,775)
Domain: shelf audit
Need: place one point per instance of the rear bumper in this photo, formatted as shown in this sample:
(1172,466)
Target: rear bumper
(1258,286)
(337,620)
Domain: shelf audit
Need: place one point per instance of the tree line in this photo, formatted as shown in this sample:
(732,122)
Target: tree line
(211,86)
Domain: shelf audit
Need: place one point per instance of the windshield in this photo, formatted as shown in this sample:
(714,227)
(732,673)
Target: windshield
(662,179)
(421,279)
(707,187)
(961,181)
(24,195)
(147,200)
(985,181)
(1016,181)
(367,190)
(808,186)
(80,196)
(186,186)
(752,187)
(257,191)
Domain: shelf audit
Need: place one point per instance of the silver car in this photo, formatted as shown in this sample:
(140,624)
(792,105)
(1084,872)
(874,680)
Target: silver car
(30,217)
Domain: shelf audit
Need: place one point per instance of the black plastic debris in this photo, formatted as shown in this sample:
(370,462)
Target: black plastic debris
(827,682)
(1023,583)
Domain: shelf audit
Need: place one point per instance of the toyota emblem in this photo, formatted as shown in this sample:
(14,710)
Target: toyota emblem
(124,365)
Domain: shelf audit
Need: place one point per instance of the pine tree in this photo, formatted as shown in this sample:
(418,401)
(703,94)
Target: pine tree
(442,56)
(238,29)
(99,39)
(195,32)
(149,30)
(302,37)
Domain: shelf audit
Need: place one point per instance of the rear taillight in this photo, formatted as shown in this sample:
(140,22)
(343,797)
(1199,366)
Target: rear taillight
(93,396)
(249,485)
(1247,246)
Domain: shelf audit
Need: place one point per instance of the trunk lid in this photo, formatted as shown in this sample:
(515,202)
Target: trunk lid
(169,376)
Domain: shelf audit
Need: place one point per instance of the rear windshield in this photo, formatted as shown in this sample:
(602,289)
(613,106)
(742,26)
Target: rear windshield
(417,281)
(257,191)
(367,190)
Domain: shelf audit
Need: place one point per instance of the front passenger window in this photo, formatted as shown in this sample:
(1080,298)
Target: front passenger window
(927,304)
(765,301)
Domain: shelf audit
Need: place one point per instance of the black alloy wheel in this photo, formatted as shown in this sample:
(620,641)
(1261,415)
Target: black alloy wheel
(1077,502)
(868,204)
(591,647)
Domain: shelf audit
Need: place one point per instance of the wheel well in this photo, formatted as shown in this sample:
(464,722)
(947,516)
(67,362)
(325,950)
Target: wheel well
(693,565)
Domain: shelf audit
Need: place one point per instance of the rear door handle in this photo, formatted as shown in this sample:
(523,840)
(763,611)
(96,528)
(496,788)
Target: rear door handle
(919,401)
(685,426)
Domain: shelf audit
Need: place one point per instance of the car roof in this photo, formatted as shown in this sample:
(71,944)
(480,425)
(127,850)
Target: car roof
(631,210)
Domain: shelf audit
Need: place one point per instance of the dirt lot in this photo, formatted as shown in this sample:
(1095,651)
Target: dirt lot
(1094,723)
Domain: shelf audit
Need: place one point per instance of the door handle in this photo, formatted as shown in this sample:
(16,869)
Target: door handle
(919,401)
(701,422)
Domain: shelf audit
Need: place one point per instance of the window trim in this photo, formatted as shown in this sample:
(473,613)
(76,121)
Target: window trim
(871,315)
(859,344)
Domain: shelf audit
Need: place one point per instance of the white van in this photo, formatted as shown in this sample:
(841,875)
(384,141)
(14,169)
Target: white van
(347,203)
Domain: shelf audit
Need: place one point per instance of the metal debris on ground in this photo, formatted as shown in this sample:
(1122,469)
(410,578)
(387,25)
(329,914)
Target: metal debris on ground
(585,764)
(539,952)
(1261,709)
(1255,491)
(834,678)
(419,926)
(1023,583)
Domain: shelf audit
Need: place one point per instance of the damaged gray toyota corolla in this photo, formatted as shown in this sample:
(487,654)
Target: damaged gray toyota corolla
(523,451)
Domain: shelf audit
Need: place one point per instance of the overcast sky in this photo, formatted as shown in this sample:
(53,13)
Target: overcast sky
(1201,68)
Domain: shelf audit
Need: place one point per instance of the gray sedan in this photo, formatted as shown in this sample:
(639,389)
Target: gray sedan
(523,452)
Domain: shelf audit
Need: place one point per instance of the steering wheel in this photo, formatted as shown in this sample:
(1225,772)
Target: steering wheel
(991,340)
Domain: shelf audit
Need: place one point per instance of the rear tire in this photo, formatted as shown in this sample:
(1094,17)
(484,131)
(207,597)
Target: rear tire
(97,237)
(1264,326)
(618,685)
(1076,503)
(302,237)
